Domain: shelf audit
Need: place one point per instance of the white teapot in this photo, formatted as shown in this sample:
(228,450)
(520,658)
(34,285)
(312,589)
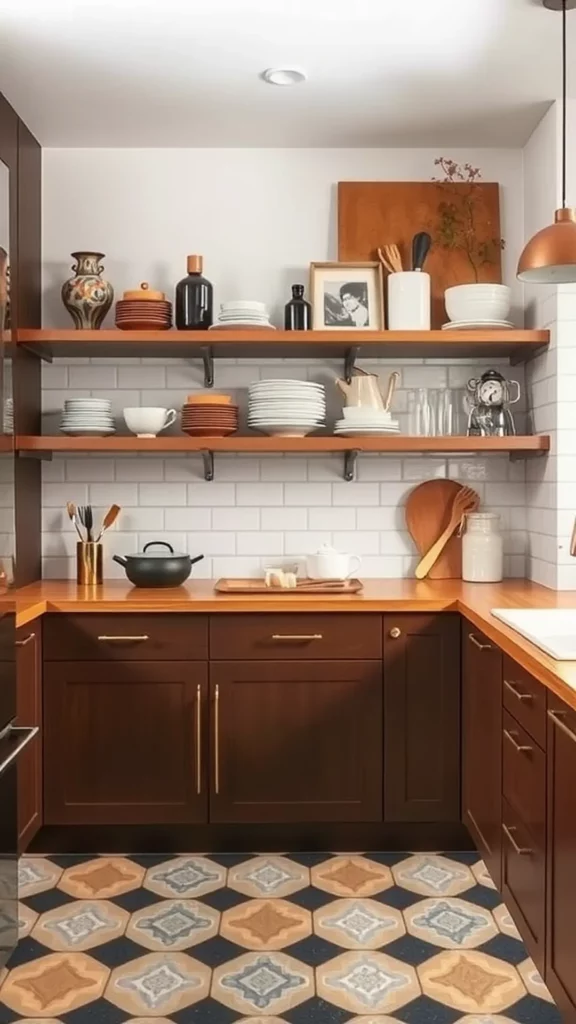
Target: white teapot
(329,564)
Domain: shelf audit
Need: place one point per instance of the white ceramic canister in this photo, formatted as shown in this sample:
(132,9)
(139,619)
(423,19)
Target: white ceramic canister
(409,301)
(482,548)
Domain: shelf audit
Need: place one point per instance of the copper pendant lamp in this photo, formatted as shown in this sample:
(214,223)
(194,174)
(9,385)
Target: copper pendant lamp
(550,256)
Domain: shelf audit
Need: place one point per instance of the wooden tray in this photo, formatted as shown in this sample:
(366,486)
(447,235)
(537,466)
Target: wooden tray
(258,586)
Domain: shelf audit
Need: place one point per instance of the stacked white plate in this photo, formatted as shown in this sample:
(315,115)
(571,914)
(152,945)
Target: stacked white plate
(286,408)
(89,417)
(362,421)
(243,313)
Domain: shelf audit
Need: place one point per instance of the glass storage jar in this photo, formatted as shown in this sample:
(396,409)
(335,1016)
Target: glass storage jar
(482,548)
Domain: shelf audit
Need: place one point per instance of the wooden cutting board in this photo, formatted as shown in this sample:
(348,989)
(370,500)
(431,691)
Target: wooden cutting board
(377,213)
(258,586)
(428,511)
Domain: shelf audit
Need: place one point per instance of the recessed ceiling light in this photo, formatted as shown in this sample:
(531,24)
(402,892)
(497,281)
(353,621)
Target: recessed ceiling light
(284,76)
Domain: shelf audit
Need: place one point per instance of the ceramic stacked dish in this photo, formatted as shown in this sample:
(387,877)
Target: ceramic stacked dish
(243,313)
(209,416)
(89,417)
(143,310)
(476,306)
(365,421)
(286,408)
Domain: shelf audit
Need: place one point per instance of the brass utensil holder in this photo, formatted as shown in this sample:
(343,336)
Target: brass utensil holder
(88,563)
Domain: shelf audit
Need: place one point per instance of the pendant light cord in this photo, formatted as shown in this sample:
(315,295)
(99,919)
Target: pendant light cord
(564,90)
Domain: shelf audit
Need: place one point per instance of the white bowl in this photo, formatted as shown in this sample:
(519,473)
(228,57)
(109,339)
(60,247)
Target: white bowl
(478,302)
(146,421)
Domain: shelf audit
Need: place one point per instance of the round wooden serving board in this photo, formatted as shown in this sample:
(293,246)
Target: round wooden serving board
(428,511)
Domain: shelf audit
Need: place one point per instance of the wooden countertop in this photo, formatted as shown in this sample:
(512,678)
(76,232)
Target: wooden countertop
(472,600)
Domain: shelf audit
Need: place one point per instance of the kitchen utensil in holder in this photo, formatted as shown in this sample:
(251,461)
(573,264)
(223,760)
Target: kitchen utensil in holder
(88,563)
(409,301)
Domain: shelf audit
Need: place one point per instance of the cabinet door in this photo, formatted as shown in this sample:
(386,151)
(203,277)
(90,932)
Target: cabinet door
(296,741)
(29,709)
(123,742)
(482,746)
(561,931)
(421,718)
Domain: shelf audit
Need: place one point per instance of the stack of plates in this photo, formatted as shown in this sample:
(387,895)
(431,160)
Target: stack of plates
(360,421)
(90,417)
(473,325)
(243,313)
(286,408)
(144,309)
(214,418)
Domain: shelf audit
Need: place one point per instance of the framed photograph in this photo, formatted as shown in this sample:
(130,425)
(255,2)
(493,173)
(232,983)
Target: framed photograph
(347,296)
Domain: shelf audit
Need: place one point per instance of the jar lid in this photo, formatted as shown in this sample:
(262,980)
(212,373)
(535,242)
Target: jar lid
(144,293)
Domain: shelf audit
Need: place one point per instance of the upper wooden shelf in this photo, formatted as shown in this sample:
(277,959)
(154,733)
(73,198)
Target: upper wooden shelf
(517,345)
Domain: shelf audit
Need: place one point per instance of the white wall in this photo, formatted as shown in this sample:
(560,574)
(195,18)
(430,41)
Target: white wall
(259,217)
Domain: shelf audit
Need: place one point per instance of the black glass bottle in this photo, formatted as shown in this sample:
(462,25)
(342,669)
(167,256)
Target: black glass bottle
(194,297)
(298,312)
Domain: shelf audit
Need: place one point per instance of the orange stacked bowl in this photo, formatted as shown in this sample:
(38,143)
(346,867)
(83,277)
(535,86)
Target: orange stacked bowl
(208,415)
(144,310)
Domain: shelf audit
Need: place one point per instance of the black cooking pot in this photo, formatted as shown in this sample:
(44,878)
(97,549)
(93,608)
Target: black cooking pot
(156,568)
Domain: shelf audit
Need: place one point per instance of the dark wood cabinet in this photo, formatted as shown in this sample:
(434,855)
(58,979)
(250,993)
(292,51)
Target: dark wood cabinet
(29,712)
(124,742)
(421,718)
(296,742)
(482,746)
(561,854)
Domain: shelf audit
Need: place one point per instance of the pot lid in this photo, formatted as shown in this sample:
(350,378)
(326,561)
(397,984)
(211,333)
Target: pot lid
(144,293)
(162,549)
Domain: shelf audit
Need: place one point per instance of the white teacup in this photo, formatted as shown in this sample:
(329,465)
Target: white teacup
(331,565)
(147,422)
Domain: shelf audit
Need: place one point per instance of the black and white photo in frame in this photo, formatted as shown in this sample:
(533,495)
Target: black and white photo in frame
(347,296)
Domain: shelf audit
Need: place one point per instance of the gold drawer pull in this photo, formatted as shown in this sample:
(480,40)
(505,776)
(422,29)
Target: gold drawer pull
(557,717)
(297,637)
(135,639)
(519,696)
(522,851)
(26,640)
(518,747)
(476,642)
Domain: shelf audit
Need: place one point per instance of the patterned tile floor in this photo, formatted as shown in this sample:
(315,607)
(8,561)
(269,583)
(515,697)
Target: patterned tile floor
(300,939)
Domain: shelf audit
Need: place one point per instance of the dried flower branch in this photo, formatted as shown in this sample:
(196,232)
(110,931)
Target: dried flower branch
(457,228)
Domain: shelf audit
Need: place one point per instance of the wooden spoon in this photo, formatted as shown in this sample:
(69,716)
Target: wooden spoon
(466,500)
(109,519)
(71,510)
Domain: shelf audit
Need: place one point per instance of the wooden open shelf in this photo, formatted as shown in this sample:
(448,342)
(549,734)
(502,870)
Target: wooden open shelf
(518,345)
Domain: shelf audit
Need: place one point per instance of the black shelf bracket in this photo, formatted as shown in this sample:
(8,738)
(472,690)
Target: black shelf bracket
(44,456)
(40,351)
(208,360)
(208,460)
(350,464)
(350,362)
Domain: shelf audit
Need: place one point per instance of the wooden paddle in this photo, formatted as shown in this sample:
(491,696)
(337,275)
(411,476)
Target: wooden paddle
(466,500)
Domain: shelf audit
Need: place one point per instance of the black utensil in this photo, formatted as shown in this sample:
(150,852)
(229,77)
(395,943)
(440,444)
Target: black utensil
(88,522)
(420,248)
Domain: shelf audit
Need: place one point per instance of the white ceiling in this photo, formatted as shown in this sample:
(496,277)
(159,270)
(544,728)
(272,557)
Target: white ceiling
(186,72)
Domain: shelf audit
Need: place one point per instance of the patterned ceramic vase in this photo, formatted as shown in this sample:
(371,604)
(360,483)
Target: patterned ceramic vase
(87,296)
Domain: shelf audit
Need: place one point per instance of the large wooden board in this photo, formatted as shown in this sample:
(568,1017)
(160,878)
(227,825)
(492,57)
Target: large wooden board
(428,511)
(375,213)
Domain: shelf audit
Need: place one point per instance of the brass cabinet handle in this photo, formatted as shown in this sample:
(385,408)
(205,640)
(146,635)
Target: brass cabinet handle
(518,747)
(476,642)
(557,717)
(522,851)
(297,636)
(198,739)
(217,739)
(136,639)
(395,633)
(25,641)
(519,696)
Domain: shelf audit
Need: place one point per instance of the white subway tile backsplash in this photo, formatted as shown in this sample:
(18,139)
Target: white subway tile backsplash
(119,493)
(281,518)
(305,542)
(212,542)
(90,470)
(131,377)
(260,494)
(261,543)
(357,542)
(394,542)
(54,375)
(238,518)
(380,518)
(282,469)
(211,493)
(140,469)
(162,494)
(331,519)
(58,494)
(136,519)
(355,494)
(307,494)
(93,377)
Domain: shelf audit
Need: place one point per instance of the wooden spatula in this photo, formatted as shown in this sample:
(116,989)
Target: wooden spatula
(109,519)
(466,500)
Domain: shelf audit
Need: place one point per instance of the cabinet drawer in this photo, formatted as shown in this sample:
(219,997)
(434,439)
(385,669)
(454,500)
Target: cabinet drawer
(524,778)
(525,698)
(524,882)
(295,636)
(125,637)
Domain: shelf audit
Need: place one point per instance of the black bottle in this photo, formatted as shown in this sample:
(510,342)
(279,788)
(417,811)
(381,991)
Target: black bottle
(298,312)
(194,296)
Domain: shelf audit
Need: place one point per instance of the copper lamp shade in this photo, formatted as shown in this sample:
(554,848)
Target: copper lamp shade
(550,256)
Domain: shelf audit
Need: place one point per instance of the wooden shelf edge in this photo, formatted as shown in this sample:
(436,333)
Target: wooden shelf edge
(399,444)
(267,337)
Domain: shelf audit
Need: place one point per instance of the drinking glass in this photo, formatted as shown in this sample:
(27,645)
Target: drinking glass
(420,413)
(450,412)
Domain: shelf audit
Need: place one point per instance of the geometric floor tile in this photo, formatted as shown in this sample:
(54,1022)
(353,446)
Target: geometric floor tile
(359,924)
(292,938)
(450,923)
(266,924)
(259,983)
(364,982)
